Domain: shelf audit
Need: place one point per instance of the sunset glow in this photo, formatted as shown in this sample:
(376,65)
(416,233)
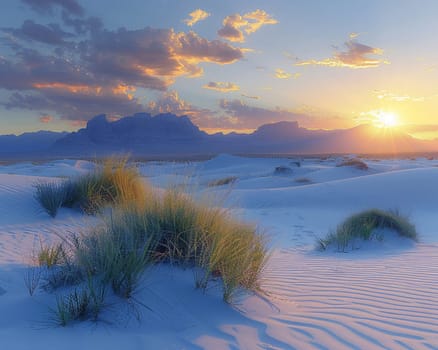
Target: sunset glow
(230,66)
(387,119)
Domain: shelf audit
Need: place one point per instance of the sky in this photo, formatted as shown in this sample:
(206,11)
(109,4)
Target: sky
(229,65)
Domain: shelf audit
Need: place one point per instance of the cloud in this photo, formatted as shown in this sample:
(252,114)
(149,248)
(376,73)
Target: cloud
(355,56)
(234,26)
(153,58)
(80,105)
(170,102)
(46,119)
(281,74)
(256,20)
(46,6)
(196,16)
(390,96)
(101,73)
(50,34)
(251,97)
(221,86)
(82,25)
(244,116)
(32,67)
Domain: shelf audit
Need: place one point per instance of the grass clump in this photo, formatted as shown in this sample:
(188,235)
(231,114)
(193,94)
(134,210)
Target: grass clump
(81,304)
(51,196)
(171,227)
(117,252)
(363,225)
(144,227)
(354,162)
(50,256)
(221,182)
(112,182)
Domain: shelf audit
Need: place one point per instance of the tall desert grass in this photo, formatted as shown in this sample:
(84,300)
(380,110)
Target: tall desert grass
(113,181)
(144,227)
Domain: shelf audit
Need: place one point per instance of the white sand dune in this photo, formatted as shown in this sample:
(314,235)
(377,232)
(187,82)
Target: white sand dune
(388,301)
(383,296)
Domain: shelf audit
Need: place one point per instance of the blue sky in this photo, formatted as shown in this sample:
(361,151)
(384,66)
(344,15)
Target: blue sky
(239,64)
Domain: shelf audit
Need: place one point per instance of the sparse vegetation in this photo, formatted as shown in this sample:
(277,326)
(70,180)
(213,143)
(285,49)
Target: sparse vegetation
(283,170)
(138,232)
(113,182)
(81,304)
(363,225)
(32,278)
(224,181)
(50,256)
(354,162)
(51,196)
(303,180)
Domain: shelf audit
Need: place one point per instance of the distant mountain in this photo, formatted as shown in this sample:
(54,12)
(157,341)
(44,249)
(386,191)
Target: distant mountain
(29,142)
(140,133)
(168,134)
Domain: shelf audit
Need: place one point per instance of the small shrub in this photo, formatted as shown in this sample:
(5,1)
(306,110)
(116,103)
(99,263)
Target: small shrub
(354,162)
(363,226)
(224,181)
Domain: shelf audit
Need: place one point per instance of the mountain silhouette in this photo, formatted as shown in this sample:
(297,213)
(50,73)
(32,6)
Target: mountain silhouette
(167,134)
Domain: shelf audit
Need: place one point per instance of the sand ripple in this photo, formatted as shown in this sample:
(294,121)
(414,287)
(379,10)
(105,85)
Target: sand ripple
(332,302)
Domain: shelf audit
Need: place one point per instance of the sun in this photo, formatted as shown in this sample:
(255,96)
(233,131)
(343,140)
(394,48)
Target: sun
(386,119)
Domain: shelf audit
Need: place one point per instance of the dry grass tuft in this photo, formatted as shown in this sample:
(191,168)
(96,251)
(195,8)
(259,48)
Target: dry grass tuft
(363,225)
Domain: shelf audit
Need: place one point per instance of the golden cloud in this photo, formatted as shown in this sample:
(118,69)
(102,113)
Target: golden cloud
(356,56)
(234,25)
(196,16)
(69,87)
(221,86)
(282,74)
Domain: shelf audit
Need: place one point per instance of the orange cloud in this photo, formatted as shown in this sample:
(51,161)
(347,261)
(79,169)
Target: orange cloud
(234,25)
(122,89)
(196,16)
(69,87)
(357,55)
(221,86)
(46,119)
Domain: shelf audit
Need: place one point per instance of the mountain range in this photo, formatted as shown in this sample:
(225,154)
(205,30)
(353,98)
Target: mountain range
(168,134)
